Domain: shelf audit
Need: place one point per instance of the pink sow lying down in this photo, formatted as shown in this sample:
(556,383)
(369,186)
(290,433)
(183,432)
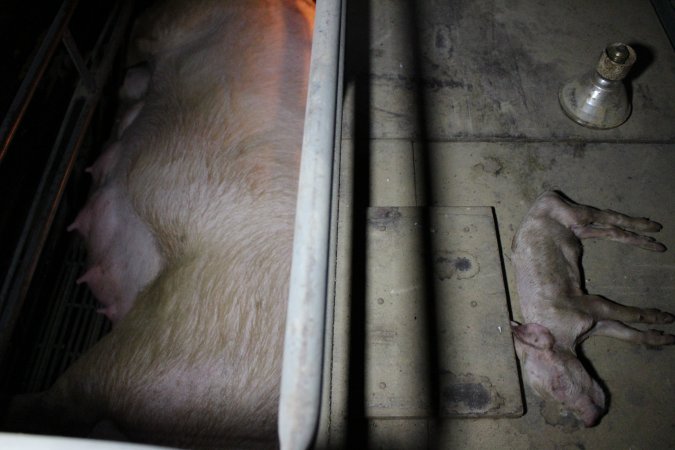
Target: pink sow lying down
(189,230)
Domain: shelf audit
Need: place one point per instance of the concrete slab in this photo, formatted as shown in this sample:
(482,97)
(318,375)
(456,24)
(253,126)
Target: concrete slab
(636,179)
(454,298)
(392,179)
(491,69)
(479,104)
(632,178)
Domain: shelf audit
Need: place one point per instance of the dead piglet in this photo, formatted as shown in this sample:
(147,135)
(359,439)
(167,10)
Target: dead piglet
(558,314)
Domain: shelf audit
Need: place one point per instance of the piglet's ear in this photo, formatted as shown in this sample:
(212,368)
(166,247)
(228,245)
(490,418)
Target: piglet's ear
(533,334)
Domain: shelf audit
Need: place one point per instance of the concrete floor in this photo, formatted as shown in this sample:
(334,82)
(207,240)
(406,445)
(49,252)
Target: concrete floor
(476,104)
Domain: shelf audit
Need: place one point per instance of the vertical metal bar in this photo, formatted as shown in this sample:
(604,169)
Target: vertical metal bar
(35,72)
(325,436)
(665,10)
(80,65)
(305,321)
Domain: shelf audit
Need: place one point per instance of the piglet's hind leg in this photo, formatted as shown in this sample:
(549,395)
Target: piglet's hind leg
(609,217)
(571,214)
(605,309)
(618,330)
(615,233)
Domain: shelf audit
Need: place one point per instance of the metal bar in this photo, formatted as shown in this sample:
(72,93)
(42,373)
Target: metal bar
(305,321)
(99,47)
(35,72)
(45,347)
(325,438)
(665,10)
(52,186)
(80,65)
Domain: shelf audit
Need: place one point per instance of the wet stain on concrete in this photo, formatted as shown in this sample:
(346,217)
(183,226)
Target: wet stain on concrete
(469,394)
(474,395)
(381,218)
(456,264)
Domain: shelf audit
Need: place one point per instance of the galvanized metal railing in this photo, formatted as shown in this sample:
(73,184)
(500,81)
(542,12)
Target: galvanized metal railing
(305,322)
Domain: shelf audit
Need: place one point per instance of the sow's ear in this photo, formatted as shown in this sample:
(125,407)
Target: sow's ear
(533,334)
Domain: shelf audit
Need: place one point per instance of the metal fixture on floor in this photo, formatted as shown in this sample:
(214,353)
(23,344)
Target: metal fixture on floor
(599,99)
